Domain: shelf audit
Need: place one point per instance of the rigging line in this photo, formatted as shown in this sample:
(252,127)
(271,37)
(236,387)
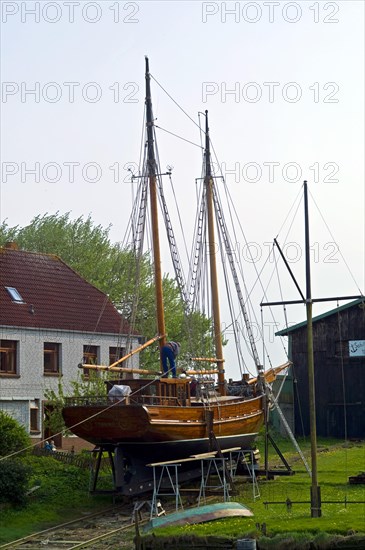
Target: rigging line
(263,339)
(61,432)
(232,206)
(235,326)
(132,221)
(281,297)
(228,199)
(136,263)
(334,240)
(177,136)
(172,99)
(105,301)
(258,273)
(153,381)
(299,196)
(201,134)
(179,216)
(230,302)
(197,250)
(174,252)
(230,202)
(143,141)
(227,242)
(291,225)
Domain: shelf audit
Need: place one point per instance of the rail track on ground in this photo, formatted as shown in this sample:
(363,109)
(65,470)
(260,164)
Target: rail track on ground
(109,529)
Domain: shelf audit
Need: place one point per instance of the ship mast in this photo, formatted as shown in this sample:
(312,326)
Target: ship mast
(209,183)
(152,176)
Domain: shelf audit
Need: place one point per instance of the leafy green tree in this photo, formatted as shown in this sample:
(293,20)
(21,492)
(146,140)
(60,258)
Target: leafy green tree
(14,482)
(13,436)
(79,243)
(127,281)
(92,385)
(53,413)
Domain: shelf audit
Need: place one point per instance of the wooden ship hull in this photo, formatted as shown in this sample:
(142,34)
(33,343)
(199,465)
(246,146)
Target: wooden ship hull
(157,430)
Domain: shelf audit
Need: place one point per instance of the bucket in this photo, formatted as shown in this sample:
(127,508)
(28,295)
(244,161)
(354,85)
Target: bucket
(246,544)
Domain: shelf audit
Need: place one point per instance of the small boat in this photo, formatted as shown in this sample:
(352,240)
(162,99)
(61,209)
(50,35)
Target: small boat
(200,514)
(160,418)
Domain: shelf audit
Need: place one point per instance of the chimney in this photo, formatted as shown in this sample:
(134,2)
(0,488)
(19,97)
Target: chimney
(12,245)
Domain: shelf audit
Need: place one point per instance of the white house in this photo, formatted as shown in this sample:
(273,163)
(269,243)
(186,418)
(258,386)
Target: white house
(51,320)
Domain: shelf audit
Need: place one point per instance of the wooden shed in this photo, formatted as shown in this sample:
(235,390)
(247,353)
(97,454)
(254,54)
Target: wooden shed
(339,371)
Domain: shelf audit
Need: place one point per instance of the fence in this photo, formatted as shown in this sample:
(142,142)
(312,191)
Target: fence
(82,461)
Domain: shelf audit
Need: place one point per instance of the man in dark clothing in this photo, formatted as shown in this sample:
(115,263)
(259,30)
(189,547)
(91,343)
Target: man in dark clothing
(169,352)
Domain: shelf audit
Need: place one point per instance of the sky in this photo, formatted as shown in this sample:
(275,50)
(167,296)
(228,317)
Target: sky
(284,86)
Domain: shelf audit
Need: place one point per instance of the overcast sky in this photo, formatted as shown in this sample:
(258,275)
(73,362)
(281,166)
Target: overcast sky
(283,83)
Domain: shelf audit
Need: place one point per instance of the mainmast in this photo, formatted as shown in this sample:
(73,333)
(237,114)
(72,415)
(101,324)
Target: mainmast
(152,175)
(208,181)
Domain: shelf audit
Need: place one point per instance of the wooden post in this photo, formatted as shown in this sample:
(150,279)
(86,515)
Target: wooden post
(315,490)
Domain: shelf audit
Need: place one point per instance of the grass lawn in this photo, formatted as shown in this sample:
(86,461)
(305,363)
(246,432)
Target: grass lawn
(63,495)
(336,462)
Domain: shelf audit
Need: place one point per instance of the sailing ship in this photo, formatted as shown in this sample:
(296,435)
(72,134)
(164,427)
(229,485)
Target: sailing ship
(159,418)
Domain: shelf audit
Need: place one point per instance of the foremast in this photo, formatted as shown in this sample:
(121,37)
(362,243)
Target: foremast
(152,176)
(209,183)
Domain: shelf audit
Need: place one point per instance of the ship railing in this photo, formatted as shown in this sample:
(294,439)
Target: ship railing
(91,401)
(154,400)
(105,401)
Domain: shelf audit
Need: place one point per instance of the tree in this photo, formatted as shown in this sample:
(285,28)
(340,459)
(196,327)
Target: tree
(13,436)
(14,481)
(127,280)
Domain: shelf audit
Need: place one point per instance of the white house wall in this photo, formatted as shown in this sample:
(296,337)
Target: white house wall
(18,394)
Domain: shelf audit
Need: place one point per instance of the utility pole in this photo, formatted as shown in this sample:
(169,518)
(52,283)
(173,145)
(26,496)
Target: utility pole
(315,495)
(315,489)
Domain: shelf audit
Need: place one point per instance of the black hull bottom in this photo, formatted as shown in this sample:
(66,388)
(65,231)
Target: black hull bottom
(133,476)
(175,450)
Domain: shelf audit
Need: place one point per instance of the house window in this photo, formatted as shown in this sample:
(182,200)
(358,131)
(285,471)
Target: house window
(14,294)
(34,416)
(51,358)
(8,357)
(91,357)
(115,353)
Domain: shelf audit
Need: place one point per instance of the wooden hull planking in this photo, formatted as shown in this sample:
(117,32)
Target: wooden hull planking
(134,426)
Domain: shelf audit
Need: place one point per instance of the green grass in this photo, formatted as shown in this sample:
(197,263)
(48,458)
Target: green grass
(336,462)
(63,495)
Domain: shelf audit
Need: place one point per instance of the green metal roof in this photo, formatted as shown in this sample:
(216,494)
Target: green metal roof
(288,330)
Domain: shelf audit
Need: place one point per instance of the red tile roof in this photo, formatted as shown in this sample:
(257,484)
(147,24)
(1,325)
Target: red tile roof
(59,297)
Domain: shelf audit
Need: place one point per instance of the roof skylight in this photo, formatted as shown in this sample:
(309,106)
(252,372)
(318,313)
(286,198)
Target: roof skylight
(14,294)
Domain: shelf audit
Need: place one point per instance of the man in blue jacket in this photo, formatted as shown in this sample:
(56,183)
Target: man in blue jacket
(169,352)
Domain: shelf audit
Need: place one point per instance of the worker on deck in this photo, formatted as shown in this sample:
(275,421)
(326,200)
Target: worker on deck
(169,352)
